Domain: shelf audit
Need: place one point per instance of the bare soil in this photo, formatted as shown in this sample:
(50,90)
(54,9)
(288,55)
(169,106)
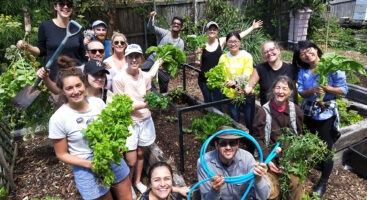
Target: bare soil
(38,173)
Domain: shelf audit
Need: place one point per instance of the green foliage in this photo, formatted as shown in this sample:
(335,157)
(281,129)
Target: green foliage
(154,100)
(107,136)
(171,119)
(193,41)
(176,94)
(347,116)
(314,196)
(2,192)
(352,78)
(299,154)
(205,126)
(216,77)
(172,57)
(287,56)
(332,62)
(21,71)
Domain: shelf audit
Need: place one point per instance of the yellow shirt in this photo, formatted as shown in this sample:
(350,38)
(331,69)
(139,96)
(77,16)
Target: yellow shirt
(236,66)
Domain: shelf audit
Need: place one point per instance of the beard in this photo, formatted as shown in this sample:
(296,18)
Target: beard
(101,37)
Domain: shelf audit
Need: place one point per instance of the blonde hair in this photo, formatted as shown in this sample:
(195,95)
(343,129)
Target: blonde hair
(117,34)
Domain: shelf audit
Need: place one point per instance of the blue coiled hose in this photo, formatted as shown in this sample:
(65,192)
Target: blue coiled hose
(234,179)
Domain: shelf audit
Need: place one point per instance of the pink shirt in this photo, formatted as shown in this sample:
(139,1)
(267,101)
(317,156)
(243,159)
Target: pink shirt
(135,87)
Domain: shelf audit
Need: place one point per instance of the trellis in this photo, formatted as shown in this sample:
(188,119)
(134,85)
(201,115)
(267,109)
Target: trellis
(8,153)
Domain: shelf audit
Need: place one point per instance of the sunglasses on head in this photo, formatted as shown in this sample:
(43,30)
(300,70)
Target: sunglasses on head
(66,3)
(224,143)
(94,51)
(119,42)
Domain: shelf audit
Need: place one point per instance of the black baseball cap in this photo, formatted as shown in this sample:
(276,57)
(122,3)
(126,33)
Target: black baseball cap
(95,66)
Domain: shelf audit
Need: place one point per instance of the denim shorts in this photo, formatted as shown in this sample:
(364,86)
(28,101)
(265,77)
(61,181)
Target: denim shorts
(86,179)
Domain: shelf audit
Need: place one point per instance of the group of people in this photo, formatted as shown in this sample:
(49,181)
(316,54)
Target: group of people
(90,71)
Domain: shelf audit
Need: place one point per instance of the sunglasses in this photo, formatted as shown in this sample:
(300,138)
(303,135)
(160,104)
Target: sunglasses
(94,51)
(231,143)
(119,42)
(68,4)
(176,23)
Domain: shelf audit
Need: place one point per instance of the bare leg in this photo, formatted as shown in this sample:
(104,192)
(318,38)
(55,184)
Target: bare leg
(107,196)
(122,190)
(139,164)
(131,162)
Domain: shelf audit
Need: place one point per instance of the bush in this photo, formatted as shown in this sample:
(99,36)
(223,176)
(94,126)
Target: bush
(208,125)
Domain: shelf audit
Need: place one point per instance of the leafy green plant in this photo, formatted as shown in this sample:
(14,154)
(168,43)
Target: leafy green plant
(2,192)
(299,154)
(107,136)
(332,62)
(205,126)
(347,116)
(352,78)
(22,71)
(176,94)
(154,100)
(172,57)
(171,119)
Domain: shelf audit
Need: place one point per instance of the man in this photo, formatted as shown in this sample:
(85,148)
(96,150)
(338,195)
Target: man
(227,160)
(99,28)
(164,37)
(96,50)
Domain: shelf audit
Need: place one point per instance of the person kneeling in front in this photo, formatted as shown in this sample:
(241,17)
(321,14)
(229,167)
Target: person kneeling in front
(227,160)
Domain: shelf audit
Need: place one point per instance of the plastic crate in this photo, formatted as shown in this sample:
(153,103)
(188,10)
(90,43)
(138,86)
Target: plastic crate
(358,158)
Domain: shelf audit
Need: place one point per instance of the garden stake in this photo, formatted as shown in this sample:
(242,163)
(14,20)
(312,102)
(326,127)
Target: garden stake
(235,179)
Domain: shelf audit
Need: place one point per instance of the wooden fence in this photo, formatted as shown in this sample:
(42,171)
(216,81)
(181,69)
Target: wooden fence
(8,152)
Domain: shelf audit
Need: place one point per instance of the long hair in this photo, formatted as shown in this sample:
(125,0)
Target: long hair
(304,44)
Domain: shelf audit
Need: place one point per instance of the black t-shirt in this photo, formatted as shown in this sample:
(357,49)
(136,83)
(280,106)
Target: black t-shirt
(268,75)
(208,61)
(49,39)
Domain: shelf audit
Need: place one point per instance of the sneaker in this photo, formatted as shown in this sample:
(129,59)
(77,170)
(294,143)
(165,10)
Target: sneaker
(133,193)
(141,187)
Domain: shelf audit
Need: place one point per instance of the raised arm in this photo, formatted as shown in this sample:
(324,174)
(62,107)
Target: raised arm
(159,32)
(255,25)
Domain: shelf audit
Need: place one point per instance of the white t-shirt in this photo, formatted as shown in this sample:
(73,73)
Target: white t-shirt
(68,123)
(113,71)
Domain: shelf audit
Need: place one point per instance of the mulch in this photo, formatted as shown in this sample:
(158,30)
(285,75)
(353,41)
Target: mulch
(38,173)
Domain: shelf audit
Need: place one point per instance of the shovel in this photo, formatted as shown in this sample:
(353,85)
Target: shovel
(29,93)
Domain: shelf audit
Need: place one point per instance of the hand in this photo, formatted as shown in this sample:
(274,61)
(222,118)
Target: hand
(217,182)
(327,88)
(229,83)
(317,90)
(274,168)
(198,50)
(43,73)
(183,191)
(259,171)
(21,45)
(86,41)
(153,14)
(161,61)
(257,24)
(107,65)
(248,89)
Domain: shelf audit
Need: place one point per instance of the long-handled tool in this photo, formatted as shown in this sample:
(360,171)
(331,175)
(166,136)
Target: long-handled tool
(29,93)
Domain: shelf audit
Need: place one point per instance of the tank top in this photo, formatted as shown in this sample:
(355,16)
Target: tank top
(208,61)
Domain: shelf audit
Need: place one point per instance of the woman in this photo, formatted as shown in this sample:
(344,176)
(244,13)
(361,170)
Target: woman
(117,62)
(238,66)
(272,117)
(70,146)
(325,121)
(135,83)
(50,35)
(210,57)
(96,75)
(265,73)
(161,180)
